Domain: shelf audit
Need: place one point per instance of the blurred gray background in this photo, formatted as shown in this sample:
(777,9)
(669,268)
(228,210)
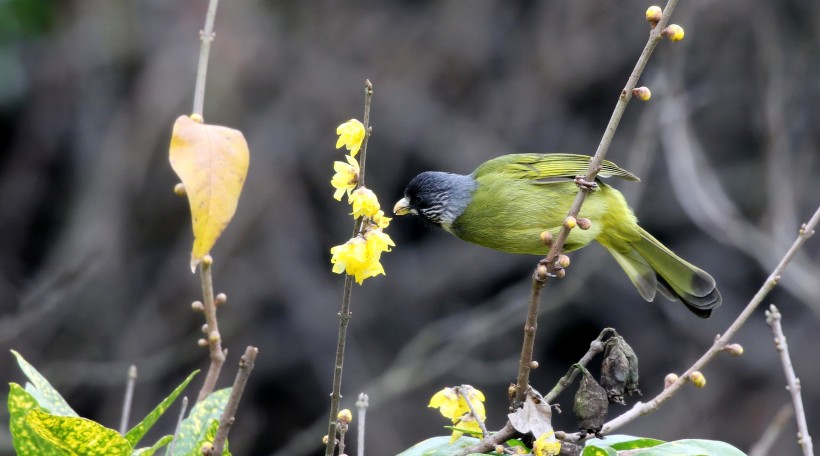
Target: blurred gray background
(94,245)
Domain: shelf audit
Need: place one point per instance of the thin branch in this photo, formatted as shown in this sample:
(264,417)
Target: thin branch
(206,36)
(595,347)
(129,399)
(645,408)
(540,276)
(764,444)
(170,449)
(362,405)
(344,313)
(773,318)
(213,337)
(484,432)
(246,364)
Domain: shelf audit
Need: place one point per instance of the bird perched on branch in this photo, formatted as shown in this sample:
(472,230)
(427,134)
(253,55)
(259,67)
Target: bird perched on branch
(507,202)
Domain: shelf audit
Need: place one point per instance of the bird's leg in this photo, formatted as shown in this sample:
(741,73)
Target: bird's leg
(583,183)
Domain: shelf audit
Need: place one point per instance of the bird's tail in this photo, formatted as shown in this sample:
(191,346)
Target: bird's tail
(652,267)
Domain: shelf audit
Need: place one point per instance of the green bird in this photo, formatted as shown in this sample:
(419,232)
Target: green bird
(507,202)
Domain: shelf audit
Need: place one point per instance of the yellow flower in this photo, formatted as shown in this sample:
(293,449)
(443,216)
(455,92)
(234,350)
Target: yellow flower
(351,135)
(380,220)
(355,259)
(546,445)
(378,242)
(364,201)
(346,177)
(452,405)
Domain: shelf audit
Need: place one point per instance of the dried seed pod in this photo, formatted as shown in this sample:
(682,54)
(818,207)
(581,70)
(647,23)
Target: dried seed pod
(591,404)
(619,370)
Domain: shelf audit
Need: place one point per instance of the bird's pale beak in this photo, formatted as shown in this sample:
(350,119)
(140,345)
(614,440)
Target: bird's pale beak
(402,207)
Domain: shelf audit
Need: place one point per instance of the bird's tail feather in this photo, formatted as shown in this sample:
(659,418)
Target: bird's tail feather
(652,267)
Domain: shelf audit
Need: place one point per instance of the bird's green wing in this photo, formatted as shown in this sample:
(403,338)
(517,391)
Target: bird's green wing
(546,166)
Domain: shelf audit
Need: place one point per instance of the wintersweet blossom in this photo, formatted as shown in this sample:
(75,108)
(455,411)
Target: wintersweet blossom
(380,220)
(351,135)
(546,445)
(346,177)
(377,242)
(364,201)
(357,259)
(452,405)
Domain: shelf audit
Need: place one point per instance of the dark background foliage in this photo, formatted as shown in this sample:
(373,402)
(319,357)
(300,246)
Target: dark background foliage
(94,246)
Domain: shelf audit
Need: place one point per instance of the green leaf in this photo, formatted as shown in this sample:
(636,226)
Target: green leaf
(691,447)
(439,446)
(620,442)
(138,432)
(26,442)
(594,450)
(150,451)
(193,431)
(46,395)
(77,436)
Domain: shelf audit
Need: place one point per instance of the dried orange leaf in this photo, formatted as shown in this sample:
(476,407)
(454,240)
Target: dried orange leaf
(212,162)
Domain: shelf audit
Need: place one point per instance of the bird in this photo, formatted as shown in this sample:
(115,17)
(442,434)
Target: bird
(508,201)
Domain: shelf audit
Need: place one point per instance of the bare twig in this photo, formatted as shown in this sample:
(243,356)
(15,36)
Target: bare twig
(246,364)
(129,399)
(484,432)
(645,408)
(595,347)
(206,36)
(344,313)
(540,278)
(362,405)
(213,337)
(764,444)
(170,449)
(773,318)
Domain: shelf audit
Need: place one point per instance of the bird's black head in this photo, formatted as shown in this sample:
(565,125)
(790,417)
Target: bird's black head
(437,197)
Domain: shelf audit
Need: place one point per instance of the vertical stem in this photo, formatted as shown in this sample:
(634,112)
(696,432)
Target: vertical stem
(540,278)
(246,364)
(129,399)
(206,36)
(362,405)
(213,336)
(172,446)
(344,313)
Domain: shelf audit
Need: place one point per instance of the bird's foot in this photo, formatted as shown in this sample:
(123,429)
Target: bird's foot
(585,184)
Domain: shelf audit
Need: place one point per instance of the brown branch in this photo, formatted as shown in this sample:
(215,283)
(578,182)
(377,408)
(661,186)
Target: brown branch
(773,318)
(768,438)
(344,313)
(645,408)
(484,431)
(206,36)
(246,364)
(540,275)
(214,339)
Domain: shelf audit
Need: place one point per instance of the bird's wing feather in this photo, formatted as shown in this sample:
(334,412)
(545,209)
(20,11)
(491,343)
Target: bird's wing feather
(546,166)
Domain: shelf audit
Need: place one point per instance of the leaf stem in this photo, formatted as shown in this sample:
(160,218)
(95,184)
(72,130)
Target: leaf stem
(129,399)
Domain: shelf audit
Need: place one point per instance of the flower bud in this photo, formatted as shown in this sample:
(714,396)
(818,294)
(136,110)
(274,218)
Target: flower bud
(563,261)
(734,349)
(653,14)
(642,93)
(324,439)
(541,272)
(206,448)
(570,222)
(697,379)
(197,306)
(179,189)
(202,343)
(345,416)
(546,238)
(584,223)
(534,365)
(220,299)
(204,328)
(560,273)
(213,337)
(207,260)
(669,380)
(674,32)
(591,404)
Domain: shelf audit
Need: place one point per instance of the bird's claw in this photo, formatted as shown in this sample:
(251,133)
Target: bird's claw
(585,184)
